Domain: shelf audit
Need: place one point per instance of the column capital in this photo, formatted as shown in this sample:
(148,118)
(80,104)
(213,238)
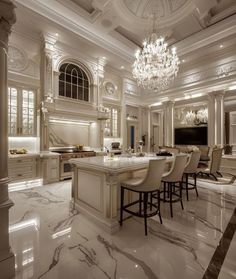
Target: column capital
(169,103)
(7,19)
(48,42)
(217,94)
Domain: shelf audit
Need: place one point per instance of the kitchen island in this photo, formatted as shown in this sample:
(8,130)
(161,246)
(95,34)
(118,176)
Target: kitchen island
(96,185)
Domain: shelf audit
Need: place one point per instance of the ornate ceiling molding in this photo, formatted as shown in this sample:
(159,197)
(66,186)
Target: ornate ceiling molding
(168,15)
(52,11)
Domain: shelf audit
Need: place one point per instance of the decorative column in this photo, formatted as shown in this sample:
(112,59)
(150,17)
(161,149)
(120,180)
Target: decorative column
(169,123)
(211,119)
(100,79)
(219,118)
(123,118)
(98,98)
(7,260)
(161,122)
(216,118)
(46,80)
(149,130)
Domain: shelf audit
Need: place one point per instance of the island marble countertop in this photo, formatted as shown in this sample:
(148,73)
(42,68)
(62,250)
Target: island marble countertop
(116,164)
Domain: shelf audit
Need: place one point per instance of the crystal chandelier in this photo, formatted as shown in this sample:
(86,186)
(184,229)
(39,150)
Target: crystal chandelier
(155,66)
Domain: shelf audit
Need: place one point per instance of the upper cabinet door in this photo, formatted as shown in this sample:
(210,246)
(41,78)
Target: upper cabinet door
(12,111)
(21,112)
(112,125)
(28,113)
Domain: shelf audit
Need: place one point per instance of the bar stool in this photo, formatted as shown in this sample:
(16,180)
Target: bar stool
(170,179)
(191,169)
(145,188)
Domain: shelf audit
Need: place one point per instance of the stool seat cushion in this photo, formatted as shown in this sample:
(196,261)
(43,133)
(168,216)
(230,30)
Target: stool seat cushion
(136,185)
(132,182)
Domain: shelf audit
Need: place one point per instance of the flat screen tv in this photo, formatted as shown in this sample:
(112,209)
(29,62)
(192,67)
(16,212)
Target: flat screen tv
(191,136)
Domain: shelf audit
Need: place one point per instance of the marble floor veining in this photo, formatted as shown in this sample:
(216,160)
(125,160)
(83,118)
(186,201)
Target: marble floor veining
(51,241)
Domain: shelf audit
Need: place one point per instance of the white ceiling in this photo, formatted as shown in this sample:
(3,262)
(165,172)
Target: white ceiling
(116,28)
(130,19)
(113,24)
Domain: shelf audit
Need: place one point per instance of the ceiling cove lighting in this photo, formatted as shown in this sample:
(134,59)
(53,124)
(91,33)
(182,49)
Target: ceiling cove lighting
(155,66)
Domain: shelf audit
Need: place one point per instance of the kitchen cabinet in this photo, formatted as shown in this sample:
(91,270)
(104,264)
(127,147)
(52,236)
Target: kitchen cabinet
(50,167)
(21,112)
(22,167)
(112,125)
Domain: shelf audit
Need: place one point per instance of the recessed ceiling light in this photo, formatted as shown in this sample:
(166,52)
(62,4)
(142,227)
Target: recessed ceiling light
(221,46)
(57,34)
(104,57)
(183,60)
(122,67)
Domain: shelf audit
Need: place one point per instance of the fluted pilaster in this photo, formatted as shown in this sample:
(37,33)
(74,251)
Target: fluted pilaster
(7,19)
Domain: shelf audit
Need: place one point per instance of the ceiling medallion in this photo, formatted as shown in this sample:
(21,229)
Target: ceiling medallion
(155,66)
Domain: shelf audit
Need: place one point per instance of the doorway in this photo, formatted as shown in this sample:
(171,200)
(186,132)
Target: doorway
(132,134)
(156,137)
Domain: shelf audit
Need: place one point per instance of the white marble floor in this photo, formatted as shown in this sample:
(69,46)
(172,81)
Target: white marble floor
(49,241)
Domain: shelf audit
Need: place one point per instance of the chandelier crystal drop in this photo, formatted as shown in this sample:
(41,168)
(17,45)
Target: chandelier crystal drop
(155,66)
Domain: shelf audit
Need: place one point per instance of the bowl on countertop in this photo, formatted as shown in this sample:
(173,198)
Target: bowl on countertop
(18,151)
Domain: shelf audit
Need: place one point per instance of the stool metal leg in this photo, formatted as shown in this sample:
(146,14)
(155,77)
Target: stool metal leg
(140,203)
(151,202)
(186,185)
(159,206)
(145,199)
(195,183)
(164,193)
(180,193)
(121,205)
(170,194)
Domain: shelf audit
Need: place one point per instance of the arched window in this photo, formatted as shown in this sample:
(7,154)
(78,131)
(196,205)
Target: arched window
(73,82)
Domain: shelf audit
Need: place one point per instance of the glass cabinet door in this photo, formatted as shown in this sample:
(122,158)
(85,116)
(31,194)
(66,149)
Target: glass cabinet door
(28,108)
(21,112)
(12,111)
(112,126)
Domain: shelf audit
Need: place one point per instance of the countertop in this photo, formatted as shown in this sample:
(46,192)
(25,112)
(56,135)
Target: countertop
(10,156)
(42,154)
(116,164)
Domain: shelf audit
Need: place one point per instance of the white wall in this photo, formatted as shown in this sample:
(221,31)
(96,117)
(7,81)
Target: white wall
(68,133)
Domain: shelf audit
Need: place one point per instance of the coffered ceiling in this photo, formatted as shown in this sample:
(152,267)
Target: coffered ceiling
(130,20)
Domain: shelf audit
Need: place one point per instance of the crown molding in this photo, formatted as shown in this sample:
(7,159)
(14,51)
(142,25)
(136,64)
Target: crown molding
(69,20)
